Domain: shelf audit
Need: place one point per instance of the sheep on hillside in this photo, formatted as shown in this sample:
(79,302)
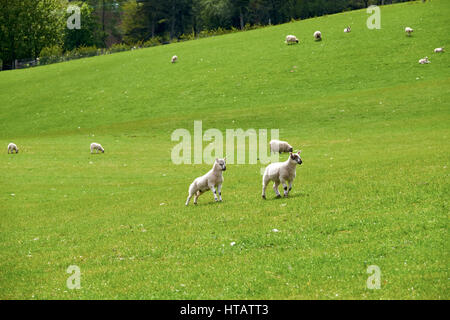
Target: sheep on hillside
(97,147)
(174,59)
(209,181)
(281,172)
(280,146)
(291,39)
(12,148)
(317,35)
(424,60)
(408,31)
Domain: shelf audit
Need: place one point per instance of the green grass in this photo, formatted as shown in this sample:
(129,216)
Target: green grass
(373,125)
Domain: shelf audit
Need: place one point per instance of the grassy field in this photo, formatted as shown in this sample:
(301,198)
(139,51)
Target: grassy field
(372,123)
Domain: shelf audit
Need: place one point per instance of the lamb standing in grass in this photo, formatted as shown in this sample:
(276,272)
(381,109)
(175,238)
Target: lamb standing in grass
(174,59)
(291,39)
(97,147)
(439,50)
(281,172)
(317,35)
(280,146)
(12,148)
(408,31)
(209,181)
(348,29)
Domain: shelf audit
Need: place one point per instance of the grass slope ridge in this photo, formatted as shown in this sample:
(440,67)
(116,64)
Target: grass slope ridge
(373,189)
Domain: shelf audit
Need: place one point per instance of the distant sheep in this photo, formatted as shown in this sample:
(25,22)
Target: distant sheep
(348,29)
(280,146)
(281,172)
(291,39)
(424,60)
(439,50)
(209,181)
(174,59)
(408,31)
(317,35)
(12,148)
(97,147)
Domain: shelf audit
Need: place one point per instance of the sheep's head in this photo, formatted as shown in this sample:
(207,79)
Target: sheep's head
(296,157)
(221,163)
(291,149)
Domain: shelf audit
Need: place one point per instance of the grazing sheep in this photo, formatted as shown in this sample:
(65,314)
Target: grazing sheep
(424,60)
(96,146)
(209,181)
(281,172)
(439,50)
(348,29)
(12,148)
(291,39)
(174,59)
(408,31)
(280,146)
(317,35)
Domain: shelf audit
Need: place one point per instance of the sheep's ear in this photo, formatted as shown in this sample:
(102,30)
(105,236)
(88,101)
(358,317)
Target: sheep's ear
(217,160)
(299,151)
(225,159)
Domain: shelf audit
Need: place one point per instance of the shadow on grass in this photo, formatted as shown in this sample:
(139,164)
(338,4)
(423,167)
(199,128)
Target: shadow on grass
(291,196)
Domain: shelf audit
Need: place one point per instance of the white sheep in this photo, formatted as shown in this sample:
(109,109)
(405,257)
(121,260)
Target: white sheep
(280,146)
(12,148)
(281,172)
(209,181)
(174,59)
(439,50)
(408,31)
(424,60)
(291,39)
(97,147)
(348,29)
(317,35)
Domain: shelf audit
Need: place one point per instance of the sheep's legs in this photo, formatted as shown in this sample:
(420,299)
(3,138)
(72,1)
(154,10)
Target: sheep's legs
(265,183)
(188,199)
(275,188)
(214,192)
(285,188)
(197,194)
(219,190)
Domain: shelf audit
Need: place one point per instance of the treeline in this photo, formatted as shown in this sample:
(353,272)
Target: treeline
(29,28)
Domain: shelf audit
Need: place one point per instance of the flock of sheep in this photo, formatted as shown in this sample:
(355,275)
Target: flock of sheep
(278,172)
(425,60)
(291,39)
(12,148)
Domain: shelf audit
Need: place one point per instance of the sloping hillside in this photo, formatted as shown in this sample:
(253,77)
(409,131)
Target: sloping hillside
(373,189)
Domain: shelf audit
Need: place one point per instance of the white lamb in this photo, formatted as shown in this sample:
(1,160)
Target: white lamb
(408,31)
(424,60)
(317,35)
(439,50)
(12,148)
(97,147)
(348,29)
(291,39)
(281,172)
(174,59)
(209,181)
(280,146)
